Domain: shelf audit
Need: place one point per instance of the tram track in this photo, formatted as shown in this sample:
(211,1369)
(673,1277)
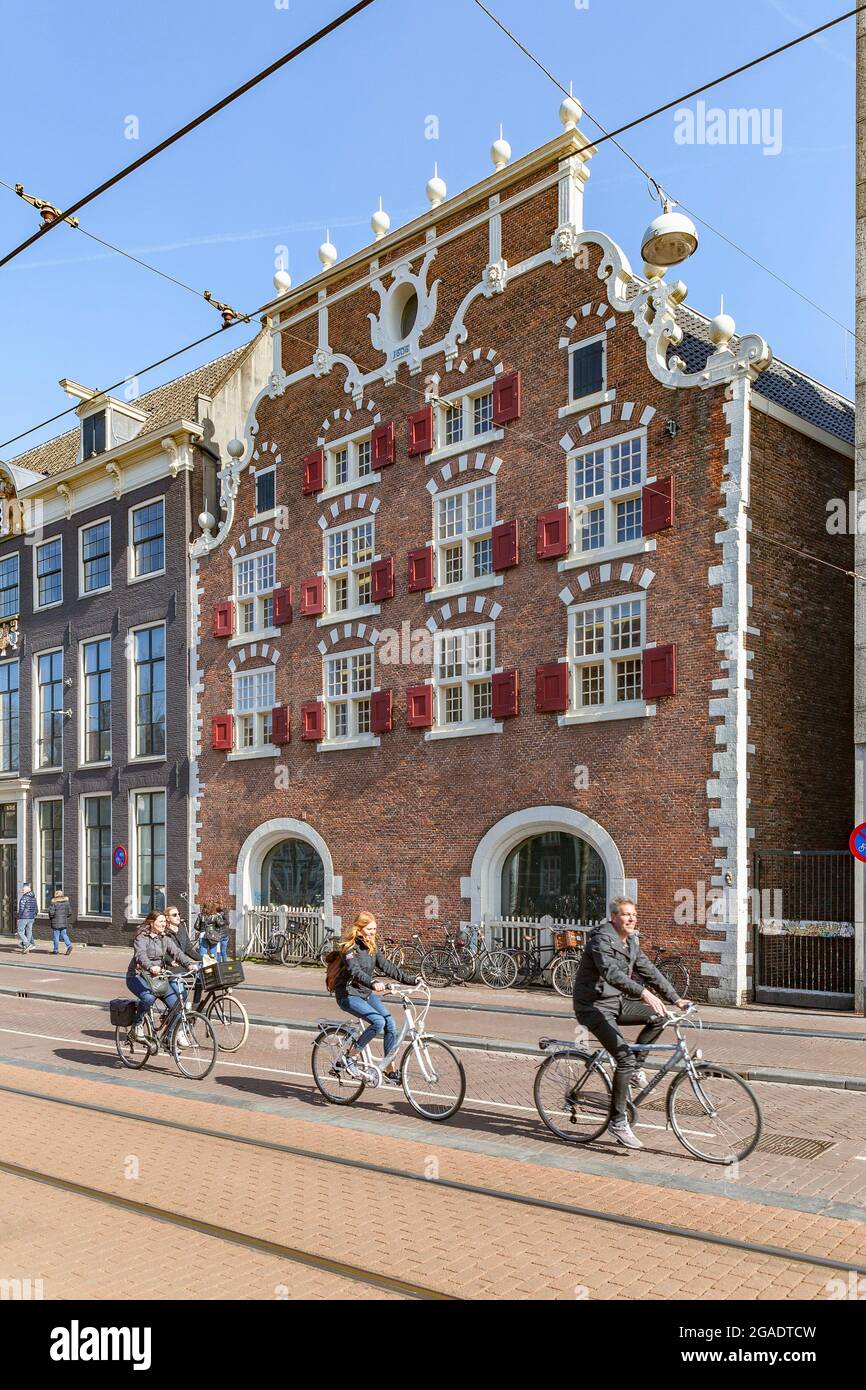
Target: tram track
(620,1219)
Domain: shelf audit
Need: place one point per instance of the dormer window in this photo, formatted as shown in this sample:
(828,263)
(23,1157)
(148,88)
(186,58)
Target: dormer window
(93,434)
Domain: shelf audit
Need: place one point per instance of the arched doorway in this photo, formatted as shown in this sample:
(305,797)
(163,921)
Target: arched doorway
(292,875)
(246,882)
(554,874)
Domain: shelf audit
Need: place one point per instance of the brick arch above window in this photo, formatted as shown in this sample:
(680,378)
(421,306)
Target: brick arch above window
(345,421)
(344,632)
(627,413)
(477,607)
(597,575)
(589,314)
(463,469)
(256,651)
(265,455)
(359,501)
(263,536)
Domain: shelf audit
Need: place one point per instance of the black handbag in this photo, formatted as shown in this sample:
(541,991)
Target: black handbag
(122,1012)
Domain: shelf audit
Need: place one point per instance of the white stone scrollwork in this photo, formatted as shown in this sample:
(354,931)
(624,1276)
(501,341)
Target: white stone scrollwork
(495,277)
(114,472)
(385,327)
(66,493)
(277,382)
(179,456)
(229,479)
(322,362)
(563,243)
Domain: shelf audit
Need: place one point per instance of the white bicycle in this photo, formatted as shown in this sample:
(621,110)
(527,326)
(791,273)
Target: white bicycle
(431,1073)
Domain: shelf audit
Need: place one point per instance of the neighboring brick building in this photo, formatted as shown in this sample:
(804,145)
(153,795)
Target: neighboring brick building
(473,634)
(94,586)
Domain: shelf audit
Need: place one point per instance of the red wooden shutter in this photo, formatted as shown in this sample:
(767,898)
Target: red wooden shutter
(551,687)
(551,534)
(659,671)
(312,720)
(383,447)
(381,712)
(658,505)
(281,725)
(420,569)
(312,596)
(382,579)
(282,606)
(506,547)
(506,398)
(504,694)
(314,471)
(221,732)
(419,706)
(421,431)
(223,619)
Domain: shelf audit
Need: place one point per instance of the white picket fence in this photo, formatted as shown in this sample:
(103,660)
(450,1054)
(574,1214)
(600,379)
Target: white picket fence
(509,932)
(259,924)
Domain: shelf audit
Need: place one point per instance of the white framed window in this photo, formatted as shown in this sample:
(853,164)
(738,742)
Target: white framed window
(587,368)
(348,682)
(96,700)
(48,816)
(463,664)
(349,554)
(605,655)
(9,681)
(48,709)
(148,851)
(95,839)
(349,460)
(463,521)
(605,485)
(465,417)
(48,573)
(254,584)
(94,557)
(9,588)
(266,491)
(254,700)
(147,539)
(148,691)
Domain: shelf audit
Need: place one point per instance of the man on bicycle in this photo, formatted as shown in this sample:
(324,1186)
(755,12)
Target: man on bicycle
(612,989)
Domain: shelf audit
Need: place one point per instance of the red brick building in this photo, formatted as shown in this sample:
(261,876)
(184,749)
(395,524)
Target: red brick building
(480,630)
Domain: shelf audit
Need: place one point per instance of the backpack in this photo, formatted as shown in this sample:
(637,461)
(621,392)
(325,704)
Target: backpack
(333,970)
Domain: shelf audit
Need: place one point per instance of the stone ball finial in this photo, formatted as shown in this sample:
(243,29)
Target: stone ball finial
(206,521)
(500,151)
(722,330)
(380,222)
(236,448)
(437,190)
(282,281)
(570,112)
(327,252)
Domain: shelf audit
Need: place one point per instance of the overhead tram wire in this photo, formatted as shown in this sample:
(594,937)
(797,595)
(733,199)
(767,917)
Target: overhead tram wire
(190,126)
(667,106)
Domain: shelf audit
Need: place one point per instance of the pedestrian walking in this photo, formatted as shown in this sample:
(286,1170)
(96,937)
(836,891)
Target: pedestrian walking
(26,916)
(59,912)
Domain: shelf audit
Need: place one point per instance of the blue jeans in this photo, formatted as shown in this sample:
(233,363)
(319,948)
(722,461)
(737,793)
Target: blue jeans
(60,934)
(376,1016)
(25,930)
(138,985)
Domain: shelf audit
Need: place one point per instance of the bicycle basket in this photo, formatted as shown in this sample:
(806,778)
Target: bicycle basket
(223,974)
(566,940)
(122,1012)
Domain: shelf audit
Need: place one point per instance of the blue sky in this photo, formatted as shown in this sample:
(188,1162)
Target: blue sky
(316,145)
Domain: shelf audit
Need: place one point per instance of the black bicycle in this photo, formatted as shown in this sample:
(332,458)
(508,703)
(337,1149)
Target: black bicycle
(673,967)
(556,965)
(458,963)
(711,1110)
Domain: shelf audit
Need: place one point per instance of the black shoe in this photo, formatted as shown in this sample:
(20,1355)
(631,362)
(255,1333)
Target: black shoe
(69,950)
(391,1078)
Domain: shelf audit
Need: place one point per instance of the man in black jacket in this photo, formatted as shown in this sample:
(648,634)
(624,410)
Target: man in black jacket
(612,989)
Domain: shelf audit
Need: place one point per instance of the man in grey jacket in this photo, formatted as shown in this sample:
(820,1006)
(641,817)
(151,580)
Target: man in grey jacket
(617,985)
(26,916)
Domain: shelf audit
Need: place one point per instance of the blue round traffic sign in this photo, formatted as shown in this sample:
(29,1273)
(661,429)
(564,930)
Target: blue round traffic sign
(857,842)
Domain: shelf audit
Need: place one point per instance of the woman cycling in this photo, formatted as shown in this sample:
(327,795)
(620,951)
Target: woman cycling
(357,993)
(145,976)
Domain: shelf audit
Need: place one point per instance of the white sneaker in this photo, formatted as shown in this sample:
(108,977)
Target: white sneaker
(639,1079)
(139,1033)
(624,1134)
(181,1038)
(351,1067)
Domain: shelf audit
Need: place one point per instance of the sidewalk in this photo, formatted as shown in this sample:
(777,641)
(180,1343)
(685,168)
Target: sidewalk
(786,1046)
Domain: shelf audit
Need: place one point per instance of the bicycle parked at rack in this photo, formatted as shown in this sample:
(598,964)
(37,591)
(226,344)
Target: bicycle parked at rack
(458,963)
(407,954)
(185,1033)
(673,968)
(712,1111)
(431,1073)
(560,967)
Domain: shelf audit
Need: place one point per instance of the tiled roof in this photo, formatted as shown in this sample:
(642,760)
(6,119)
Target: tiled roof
(780,383)
(173,401)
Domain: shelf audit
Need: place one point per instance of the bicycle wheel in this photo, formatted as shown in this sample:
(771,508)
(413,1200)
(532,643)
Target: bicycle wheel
(498,969)
(412,958)
(196,1058)
(563,973)
(573,1101)
(524,965)
(433,1079)
(437,967)
(465,964)
(715,1114)
(676,971)
(334,1084)
(133,1052)
(295,947)
(229,1020)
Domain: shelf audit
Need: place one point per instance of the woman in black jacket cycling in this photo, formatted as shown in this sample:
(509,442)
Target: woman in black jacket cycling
(356,992)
